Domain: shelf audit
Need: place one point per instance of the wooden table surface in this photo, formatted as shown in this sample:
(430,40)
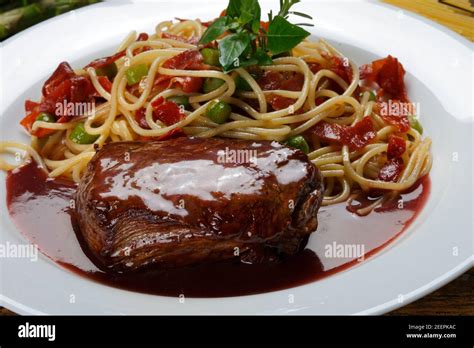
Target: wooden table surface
(457,297)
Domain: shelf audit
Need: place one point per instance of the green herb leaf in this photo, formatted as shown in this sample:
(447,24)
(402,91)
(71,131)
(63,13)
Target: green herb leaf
(262,57)
(259,57)
(230,49)
(215,30)
(249,11)
(285,6)
(283,36)
(233,9)
(234,26)
(256,26)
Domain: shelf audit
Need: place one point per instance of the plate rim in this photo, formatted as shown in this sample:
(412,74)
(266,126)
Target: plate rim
(382,308)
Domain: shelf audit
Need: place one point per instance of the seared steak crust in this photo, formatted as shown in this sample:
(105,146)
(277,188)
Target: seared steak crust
(190,200)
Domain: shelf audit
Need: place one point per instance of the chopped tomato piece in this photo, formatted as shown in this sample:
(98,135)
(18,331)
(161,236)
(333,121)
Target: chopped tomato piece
(271,80)
(319,100)
(396,147)
(140,118)
(277,102)
(389,74)
(401,122)
(189,84)
(314,67)
(356,136)
(394,113)
(294,83)
(63,86)
(28,120)
(187,60)
(62,73)
(81,89)
(142,37)
(42,132)
(163,81)
(30,105)
(27,123)
(167,112)
(75,89)
(341,67)
(329,132)
(101,62)
(392,170)
(105,83)
(360,134)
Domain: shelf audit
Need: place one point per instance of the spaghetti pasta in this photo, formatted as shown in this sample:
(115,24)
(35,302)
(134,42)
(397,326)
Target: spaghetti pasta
(326,97)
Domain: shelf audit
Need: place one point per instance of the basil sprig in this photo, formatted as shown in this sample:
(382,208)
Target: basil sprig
(247,42)
(283,36)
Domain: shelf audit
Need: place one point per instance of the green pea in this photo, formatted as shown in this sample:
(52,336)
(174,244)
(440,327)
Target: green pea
(415,124)
(210,56)
(135,73)
(109,70)
(298,142)
(45,117)
(180,100)
(218,111)
(211,84)
(80,136)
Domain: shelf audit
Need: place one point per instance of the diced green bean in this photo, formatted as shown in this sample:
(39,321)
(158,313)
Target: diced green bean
(210,56)
(135,73)
(45,117)
(109,70)
(80,136)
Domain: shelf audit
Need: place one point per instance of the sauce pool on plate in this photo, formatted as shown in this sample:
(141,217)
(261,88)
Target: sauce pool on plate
(41,209)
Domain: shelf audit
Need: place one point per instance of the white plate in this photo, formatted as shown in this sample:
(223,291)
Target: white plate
(435,249)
